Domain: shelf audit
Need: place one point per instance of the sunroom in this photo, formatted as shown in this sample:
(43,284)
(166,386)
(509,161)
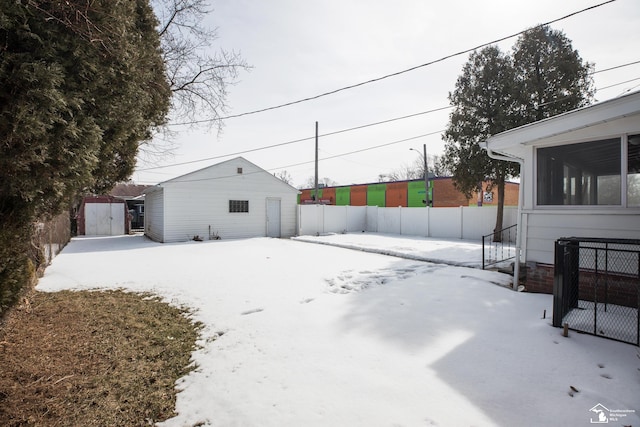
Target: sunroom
(580,182)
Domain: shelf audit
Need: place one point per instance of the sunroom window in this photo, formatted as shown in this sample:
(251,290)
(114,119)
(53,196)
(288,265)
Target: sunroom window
(587,173)
(633,170)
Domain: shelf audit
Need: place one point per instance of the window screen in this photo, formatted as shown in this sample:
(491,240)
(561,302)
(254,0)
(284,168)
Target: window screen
(580,174)
(238,206)
(633,170)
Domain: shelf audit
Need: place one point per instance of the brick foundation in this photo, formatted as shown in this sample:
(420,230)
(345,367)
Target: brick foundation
(539,278)
(622,290)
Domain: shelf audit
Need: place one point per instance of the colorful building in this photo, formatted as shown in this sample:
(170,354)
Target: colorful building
(411,193)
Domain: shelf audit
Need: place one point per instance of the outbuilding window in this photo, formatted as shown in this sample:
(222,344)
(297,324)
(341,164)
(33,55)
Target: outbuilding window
(238,206)
(604,172)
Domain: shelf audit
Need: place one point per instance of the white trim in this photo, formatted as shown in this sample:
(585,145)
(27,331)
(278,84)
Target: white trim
(586,117)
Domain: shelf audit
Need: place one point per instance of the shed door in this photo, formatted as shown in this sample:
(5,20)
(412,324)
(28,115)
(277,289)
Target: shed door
(273,218)
(117,219)
(104,219)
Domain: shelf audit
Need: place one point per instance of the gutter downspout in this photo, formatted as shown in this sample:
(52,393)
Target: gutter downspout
(516,268)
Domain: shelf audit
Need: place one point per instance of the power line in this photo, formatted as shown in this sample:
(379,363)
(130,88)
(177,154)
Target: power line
(434,110)
(616,67)
(355,128)
(299,140)
(381,145)
(406,139)
(389,120)
(618,84)
(387,76)
(324,158)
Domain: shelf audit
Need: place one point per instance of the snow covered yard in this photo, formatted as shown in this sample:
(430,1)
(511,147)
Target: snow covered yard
(305,334)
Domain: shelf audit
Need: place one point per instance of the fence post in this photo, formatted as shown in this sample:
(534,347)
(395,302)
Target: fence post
(558,284)
(461,221)
(572,274)
(428,221)
(483,255)
(346,218)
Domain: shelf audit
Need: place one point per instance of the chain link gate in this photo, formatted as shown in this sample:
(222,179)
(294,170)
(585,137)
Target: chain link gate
(595,287)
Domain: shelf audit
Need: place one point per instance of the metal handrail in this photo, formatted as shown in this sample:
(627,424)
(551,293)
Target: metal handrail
(498,247)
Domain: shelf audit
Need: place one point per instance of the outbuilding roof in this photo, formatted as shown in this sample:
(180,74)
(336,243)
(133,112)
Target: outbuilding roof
(198,175)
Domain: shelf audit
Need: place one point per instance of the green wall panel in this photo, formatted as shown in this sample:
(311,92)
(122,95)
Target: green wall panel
(376,195)
(343,196)
(416,193)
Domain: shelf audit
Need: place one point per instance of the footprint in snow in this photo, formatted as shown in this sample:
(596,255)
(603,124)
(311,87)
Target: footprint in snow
(255,310)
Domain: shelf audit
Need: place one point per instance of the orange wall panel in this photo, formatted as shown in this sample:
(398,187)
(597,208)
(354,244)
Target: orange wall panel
(359,195)
(305,197)
(328,196)
(445,195)
(396,194)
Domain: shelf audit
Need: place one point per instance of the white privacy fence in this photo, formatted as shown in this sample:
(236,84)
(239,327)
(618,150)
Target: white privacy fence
(469,223)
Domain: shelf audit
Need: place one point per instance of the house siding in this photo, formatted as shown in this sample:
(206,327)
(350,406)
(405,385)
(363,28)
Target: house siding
(544,228)
(541,226)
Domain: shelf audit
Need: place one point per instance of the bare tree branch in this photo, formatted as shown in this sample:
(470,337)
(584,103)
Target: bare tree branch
(198,73)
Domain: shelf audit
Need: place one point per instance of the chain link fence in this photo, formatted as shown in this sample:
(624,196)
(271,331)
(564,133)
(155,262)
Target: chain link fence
(49,238)
(596,285)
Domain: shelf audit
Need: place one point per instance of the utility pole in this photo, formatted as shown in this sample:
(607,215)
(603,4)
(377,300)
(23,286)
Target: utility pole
(426,173)
(316,193)
(426,176)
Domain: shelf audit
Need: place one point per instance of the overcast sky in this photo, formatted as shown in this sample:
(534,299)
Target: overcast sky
(300,49)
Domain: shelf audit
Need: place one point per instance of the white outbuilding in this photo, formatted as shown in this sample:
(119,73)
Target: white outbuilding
(229,200)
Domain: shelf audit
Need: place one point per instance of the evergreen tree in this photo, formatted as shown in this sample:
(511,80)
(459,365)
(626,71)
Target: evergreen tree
(80,87)
(543,77)
(82,84)
(551,76)
(484,105)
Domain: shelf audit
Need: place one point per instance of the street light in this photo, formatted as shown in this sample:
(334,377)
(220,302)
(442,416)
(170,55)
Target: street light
(426,173)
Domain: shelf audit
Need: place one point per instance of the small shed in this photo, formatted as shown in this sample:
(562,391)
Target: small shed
(103,216)
(229,200)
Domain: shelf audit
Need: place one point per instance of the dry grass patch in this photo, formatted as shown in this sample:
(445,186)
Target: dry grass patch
(92,359)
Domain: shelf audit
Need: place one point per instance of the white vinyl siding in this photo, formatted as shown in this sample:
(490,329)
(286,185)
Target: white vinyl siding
(154,214)
(544,228)
(197,204)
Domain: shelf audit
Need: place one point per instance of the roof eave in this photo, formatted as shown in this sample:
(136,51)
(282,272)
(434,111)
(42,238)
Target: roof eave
(572,121)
